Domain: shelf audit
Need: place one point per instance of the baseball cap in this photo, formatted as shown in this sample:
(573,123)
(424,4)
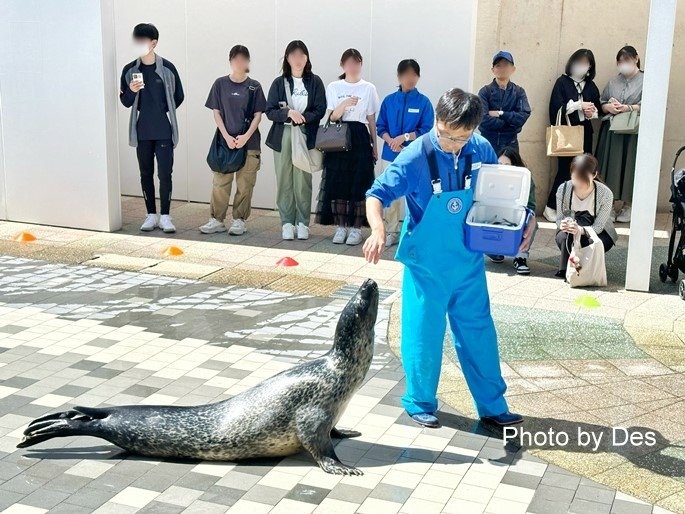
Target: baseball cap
(502,55)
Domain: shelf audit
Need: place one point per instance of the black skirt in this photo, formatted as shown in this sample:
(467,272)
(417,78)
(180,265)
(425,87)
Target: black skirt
(346,178)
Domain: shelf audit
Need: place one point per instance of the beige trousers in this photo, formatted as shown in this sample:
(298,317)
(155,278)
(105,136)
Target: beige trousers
(245,179)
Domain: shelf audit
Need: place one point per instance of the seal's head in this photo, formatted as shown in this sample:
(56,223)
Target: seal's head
(354,334)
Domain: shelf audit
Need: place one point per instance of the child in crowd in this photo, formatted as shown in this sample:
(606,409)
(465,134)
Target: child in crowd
(510,157)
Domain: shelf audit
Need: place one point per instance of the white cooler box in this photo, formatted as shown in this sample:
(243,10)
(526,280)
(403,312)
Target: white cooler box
(496,221)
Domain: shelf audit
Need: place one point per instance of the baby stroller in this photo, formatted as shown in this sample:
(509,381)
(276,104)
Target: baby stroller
(676,259)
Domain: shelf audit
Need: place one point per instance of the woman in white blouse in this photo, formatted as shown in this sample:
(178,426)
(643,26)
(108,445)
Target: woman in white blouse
(348,175)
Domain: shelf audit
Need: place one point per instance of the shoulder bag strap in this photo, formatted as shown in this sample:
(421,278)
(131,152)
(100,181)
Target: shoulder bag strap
(249,112)
(288,94)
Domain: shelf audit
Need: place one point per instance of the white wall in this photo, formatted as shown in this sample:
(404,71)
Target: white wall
(197,34)
(57,114)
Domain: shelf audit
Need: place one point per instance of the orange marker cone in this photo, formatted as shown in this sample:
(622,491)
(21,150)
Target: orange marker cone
(172,251)
(24,237)
(286,262)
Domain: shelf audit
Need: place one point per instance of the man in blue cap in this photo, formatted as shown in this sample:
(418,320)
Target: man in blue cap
(506,107)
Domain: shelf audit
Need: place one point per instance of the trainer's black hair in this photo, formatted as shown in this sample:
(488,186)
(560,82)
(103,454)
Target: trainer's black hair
(580,54)
(457,108)
(292,46)
(145,31)
(628,51)
(350,53)
(513,155)
(408,64)
(238,50)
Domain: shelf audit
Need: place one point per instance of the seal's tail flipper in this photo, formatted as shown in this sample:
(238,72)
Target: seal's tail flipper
(78,421)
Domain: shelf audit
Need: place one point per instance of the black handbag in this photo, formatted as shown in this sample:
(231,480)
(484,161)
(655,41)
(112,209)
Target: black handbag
(332,137)
(221,158)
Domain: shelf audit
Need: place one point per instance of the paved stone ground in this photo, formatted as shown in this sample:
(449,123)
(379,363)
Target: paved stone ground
(620,362)
(83,335)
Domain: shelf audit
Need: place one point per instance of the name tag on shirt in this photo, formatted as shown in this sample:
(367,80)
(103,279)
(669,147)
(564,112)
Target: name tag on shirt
(412,110)
(475,166)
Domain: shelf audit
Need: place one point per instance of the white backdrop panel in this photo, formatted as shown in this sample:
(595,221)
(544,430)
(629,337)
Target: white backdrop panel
(197,34)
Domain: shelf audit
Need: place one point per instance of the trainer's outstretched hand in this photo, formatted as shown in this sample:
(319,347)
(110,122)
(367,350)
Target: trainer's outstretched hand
(374,245)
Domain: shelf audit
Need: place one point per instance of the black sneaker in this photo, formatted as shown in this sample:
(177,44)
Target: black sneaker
(561,274)
(498,259)
(505,419)
(521,266)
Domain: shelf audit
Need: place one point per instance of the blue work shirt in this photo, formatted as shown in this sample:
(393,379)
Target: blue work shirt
(409,174)
(402,113)
(513,102)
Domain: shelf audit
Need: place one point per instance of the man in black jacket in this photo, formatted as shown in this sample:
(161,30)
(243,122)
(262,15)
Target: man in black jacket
(505,105)
(150,85)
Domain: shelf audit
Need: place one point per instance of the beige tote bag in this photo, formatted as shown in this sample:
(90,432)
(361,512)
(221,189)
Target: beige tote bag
(586,266)
(305,159)
(564,140)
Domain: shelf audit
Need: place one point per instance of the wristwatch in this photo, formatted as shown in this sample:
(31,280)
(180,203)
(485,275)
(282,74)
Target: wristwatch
(406,136)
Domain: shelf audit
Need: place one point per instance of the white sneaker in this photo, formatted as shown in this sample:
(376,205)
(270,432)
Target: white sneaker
(166,225)
(302,232)
(624,215)
(340,235)
(288,232)
(392,239)
(355,237)
(550,214)
(238,228)
(150,223)
(213,226)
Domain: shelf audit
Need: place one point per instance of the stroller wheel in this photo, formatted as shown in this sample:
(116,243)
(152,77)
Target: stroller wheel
(681,289)
(663,272)
(673,273)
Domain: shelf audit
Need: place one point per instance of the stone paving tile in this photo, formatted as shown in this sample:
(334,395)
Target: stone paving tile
(407,469)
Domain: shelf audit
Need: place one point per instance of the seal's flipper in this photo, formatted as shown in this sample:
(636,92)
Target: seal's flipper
(84,413)
(341,433)
(77,421)
(314,432)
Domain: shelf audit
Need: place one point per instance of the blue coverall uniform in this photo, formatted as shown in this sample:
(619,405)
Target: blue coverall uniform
(443,280)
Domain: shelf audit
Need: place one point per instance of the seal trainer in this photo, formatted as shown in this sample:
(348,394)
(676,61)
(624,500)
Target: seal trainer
(295,409)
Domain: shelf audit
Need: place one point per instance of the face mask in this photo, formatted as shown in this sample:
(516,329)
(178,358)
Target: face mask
(579,71)
(626,68)
(141,49)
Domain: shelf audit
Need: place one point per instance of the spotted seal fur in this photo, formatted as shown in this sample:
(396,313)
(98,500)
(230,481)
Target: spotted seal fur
(296,409)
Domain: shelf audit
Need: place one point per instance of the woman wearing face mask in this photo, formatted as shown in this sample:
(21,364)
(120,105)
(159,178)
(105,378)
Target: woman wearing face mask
(348,175)
(577,96)
(616,152)
(293,185)
(583,201)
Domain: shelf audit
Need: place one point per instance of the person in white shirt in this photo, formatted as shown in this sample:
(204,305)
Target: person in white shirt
(348,175)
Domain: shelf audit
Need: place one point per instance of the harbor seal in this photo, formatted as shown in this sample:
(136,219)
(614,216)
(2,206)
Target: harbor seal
(293,410)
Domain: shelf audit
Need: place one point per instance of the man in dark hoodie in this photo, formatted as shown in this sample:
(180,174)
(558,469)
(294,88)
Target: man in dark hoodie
(150,85)
(505,105)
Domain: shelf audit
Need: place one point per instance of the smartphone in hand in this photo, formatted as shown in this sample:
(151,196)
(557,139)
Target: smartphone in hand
(138,77)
